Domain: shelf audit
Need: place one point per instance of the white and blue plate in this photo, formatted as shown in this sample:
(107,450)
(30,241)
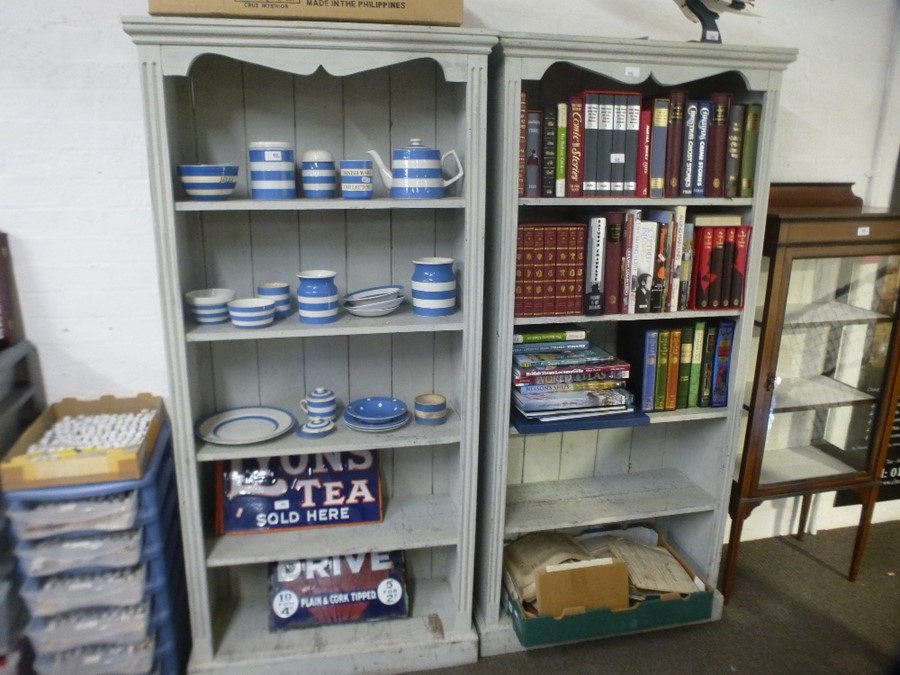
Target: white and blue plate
(389,425)
(242,426)
(374,294)
(375,409)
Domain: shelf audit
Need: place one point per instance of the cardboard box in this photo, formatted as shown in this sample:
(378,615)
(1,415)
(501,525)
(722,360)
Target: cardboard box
(428,12)
(570,619)
(19,472)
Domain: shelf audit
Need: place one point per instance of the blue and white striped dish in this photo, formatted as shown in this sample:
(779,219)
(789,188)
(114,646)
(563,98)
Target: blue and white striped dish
(208,182)
(272,170)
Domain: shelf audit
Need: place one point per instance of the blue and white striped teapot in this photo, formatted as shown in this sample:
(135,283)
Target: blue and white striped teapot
(417,172)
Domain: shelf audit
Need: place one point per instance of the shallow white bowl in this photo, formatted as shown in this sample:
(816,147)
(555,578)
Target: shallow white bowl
(205,297)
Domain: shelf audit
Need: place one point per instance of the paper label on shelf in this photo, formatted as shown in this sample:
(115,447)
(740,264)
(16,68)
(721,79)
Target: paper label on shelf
(298,491)
(338,589)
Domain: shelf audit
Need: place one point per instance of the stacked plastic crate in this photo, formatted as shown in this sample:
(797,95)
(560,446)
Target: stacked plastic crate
(103,572)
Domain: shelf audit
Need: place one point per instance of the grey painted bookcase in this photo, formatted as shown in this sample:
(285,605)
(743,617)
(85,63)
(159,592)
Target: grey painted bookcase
(210,88)
(675,472)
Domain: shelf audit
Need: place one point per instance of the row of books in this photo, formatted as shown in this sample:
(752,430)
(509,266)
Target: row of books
(630,262)
(615,144)
(680,366)
(567,378)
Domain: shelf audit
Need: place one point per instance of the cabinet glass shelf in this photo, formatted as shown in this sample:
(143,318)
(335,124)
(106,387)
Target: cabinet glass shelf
(320,204)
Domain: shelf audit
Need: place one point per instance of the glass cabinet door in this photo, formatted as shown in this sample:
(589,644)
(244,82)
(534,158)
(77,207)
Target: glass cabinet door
(826,389)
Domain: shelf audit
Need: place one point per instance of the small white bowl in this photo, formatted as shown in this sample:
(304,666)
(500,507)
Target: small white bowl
(205,297)
(248,307)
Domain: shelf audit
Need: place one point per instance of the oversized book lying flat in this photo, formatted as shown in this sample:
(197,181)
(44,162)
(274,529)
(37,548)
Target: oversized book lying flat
(573,357)
(556,400)
(610,369)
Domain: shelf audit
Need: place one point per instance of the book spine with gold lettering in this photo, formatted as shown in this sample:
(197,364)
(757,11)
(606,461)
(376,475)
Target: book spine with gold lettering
(718,145)
(658,136)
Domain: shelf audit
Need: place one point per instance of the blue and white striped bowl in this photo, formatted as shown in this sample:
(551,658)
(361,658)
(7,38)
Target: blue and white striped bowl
(251,312)
(208,182)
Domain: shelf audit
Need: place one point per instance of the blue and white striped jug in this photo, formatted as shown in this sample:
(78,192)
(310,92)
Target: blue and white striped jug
(417,172)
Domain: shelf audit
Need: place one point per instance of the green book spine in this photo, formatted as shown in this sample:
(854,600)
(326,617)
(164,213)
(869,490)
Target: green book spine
(684,367)
(696,359)
(748,149)
(706,366)
(662,367)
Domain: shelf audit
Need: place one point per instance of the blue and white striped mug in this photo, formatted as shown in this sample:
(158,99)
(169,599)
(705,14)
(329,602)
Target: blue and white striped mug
(273,173)
(318,175)
(417,172)
(433,287)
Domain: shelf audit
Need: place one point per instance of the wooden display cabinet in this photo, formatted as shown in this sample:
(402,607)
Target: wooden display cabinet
(821,401)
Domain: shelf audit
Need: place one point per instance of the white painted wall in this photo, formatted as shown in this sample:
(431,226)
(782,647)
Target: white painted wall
(74,194)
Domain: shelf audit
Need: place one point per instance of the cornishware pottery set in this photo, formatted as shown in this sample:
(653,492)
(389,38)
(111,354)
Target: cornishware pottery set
(416,172)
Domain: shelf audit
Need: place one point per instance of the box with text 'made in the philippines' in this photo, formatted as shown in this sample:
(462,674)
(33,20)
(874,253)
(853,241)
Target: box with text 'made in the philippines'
(432,12)
(298,491)
(339,589)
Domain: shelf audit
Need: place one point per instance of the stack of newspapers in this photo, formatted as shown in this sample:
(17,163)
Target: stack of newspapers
(559,375)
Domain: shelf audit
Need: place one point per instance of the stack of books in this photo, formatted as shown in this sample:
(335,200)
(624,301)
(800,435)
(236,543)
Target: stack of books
(559,375)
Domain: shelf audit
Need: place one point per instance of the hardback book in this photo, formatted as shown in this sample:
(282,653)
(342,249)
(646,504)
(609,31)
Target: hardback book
(575,146)
(721,364)
(519,298)
(701,144)
(689,145)
(647,381)
(626,299)
(549,334)
(539,269)
(616,370)
(706,365)
(687,264)
(528,269)
(563,415)
(632,142)
(550,346)
(675,142)
(562,400)
(617,155)
(565,262)
(550,254)
(749,148)
(739,268)
(578,242)
(696,363)
(659,289)
(606,126)
(662,370)
(674,368)
(703,247)
(591,143)
(555,359)
(612,264)
(658,140)
(728,266)
(718,145)
(596,258)
(676,255)
(523,134)
(684,366)
(736,113)
(562,140)
(591,385)
(533,146)
(717,267)
(548,153)
(349,588)
(643,254)
(642,182)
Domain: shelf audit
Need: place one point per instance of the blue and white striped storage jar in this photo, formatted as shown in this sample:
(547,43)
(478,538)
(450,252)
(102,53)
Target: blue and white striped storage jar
(433,287)
(318,175)
(317,296)
(273,172)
